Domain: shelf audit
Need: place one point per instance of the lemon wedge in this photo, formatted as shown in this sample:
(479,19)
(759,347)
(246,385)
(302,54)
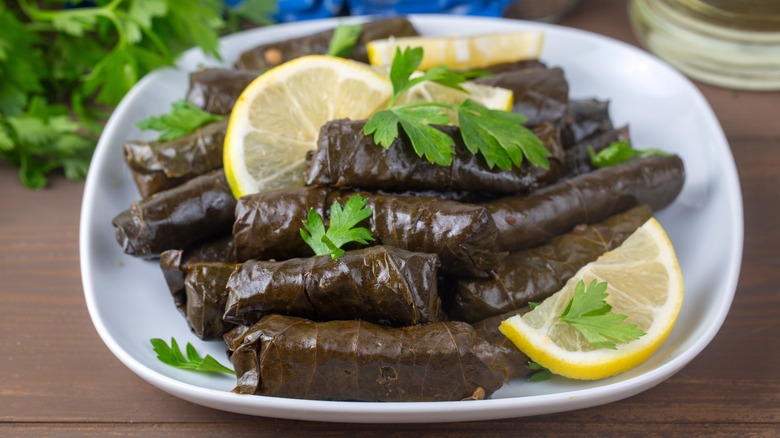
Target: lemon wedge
(277,118)
(462,52)
(644,283)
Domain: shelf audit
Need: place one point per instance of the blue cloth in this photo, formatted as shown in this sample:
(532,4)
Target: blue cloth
(462,7)
(298,10)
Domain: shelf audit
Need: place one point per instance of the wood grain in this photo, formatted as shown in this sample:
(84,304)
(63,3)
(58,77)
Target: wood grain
(59,379)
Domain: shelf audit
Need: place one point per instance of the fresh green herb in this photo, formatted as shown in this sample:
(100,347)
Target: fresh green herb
(618,152)
(341,230)
(498,135)
(41,139)
(589,313)
(533,304)
(62,69)
(184,118)
(475,73)
(255,11)
(173,356)
(540,373)
(345,36)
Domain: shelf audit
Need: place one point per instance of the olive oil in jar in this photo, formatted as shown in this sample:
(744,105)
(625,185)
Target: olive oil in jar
(729,43)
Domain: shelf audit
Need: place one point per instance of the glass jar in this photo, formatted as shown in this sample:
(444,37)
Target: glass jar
(728,43)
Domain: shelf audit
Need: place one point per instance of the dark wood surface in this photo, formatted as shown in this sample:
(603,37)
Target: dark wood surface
(59,379)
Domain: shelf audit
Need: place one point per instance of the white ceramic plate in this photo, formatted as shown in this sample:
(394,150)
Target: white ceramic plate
(129,302)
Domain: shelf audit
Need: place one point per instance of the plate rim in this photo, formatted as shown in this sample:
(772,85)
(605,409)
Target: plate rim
(338,411)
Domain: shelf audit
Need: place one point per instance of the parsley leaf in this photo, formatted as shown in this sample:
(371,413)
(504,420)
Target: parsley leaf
(498,136)
(426,140)
(342,228)
(589,313)
(183,119)
(257,11)
(441,75)
(42,139)
(193,21)
(174,357)
(345,36)
(404,65)
(618,152)
(404,74)
(20,63)
(541,373)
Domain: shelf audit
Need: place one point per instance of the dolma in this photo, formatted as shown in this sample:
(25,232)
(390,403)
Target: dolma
(174,262)
(346,157)
(536,273)
(462,235)
(524,221)
(283,356)
(541,94)
(577,159)
(381,284)
(498,351)
(154,182)
(270,55)
(267,226)
(161,165)
(205,285)
(216,90)
(178,218)
(586,118)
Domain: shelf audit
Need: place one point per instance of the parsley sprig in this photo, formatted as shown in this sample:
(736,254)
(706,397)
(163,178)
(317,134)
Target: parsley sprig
(618,152)
(589,313)
(184,118)
(172,355)
(539,373)
(65,65)
(344,39)
(498,136)
(341,230)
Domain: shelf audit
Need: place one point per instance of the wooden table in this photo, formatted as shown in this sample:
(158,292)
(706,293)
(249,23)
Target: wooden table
(58,378)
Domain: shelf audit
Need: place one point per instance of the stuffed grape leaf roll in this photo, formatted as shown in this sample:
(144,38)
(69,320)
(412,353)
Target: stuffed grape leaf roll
(586,118)
(576,161)
(381,284)
(205,285)
(161,165)
(527,220)
(270,55)
(346,157)
(267,224)
(283,356)
(174,262)
(463,235)
(536,273)
(498,351)
(216,90)
(178,218)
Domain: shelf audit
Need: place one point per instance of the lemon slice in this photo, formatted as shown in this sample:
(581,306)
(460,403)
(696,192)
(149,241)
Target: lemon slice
(490,97)
(645,284)
(277,118)
(462,52)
